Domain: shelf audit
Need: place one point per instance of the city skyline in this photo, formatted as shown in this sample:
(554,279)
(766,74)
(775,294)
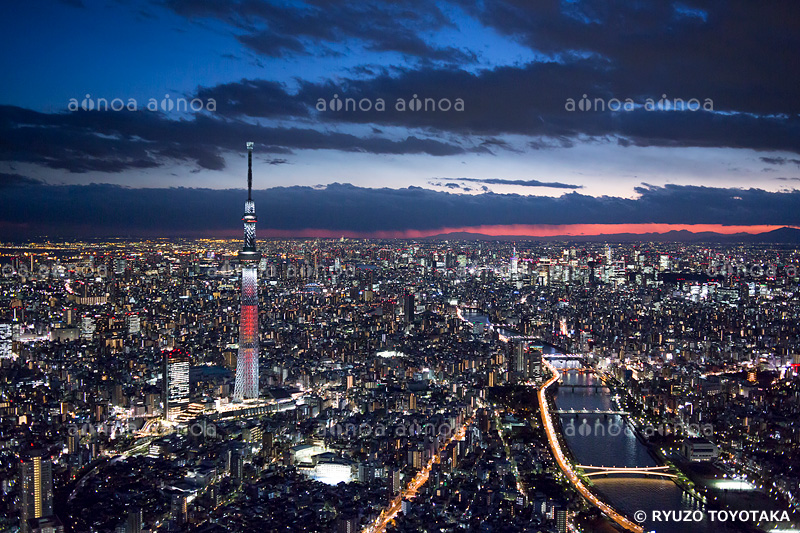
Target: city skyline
(120,131)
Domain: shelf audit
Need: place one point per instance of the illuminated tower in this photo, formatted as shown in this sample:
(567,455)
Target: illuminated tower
(247,362)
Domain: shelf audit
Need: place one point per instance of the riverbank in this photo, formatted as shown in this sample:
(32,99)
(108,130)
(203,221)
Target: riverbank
(563,463)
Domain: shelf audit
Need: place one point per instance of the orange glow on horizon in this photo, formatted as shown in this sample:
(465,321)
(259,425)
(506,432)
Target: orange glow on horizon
(525,230)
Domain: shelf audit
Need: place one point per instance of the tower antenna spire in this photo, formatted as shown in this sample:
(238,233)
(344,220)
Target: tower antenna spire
(249,171)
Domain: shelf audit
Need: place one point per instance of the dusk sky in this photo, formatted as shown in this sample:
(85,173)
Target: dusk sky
(507,145)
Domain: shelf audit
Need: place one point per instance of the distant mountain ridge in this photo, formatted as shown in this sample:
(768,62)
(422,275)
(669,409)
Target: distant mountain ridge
(783,235)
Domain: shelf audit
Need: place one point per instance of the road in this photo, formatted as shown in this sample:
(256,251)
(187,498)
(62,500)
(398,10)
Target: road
(563,463)
(388,514)
(82,481)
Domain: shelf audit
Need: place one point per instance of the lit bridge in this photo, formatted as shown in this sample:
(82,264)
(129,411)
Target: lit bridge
(589,412)
(589,471)
(566,357)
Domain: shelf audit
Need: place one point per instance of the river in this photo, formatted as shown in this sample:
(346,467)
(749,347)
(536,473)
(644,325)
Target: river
(606,440)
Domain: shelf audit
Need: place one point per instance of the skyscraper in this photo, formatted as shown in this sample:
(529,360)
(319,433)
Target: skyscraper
(176,383)
(134,522)
(408,308)
(179,508)
(36,488)
(247,362)
(514,265)
(5,341)
(519,366)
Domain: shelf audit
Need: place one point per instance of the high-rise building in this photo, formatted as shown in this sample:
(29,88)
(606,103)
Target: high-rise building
(514,265)
(535,363)
(70,315)
(394,480)
(237,466)
(561,520)
(408,308)
(247,360)
(88,326)
(36,488)
(178,508)
(519,361)
(347,522)
(5,341)
(176,383)
(134,522)
(133,323)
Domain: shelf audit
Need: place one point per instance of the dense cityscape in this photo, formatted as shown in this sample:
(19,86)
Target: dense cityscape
(398,383)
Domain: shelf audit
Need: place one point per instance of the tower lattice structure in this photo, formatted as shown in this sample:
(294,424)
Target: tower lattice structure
(247,362)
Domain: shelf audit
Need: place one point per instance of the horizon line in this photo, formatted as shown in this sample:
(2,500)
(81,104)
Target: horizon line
(549,231)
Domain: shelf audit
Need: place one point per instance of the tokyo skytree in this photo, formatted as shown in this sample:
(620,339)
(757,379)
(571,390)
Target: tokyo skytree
(247,361)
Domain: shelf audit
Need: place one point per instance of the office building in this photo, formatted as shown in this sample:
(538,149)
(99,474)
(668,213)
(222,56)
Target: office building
(176,383)
(36,488)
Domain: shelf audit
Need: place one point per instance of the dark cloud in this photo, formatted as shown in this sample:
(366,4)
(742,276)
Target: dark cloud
(254,98)
(779,160)
(369,71)
(113,210)
(111,141)
(16,180)
(554,142)
(500,101)
(706,49)
(494,142)
(521,183)
(712,49)
(270,44)
(275,29)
